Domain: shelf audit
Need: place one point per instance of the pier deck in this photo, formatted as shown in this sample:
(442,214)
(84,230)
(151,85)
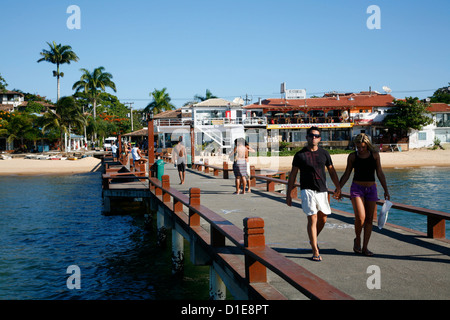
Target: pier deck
(411,266)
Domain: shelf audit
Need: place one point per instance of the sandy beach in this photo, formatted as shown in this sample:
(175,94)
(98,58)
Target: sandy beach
(412,158)
(24,167)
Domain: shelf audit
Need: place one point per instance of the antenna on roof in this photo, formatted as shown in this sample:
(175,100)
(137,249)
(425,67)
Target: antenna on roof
(387,89)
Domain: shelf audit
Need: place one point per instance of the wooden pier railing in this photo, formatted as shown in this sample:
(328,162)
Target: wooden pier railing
(249,242)
(435,219)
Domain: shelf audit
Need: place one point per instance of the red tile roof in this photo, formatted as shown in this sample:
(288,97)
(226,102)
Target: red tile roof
(344,102)
(439,107)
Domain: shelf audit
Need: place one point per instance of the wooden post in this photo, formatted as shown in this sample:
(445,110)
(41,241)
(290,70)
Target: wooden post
(435,227)
(254,238)
(225,170)
(252,176)
(165,180)
(151,143)
(270,186)
(194,200)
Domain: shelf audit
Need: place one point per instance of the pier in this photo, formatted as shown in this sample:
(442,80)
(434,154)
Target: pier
(258,247)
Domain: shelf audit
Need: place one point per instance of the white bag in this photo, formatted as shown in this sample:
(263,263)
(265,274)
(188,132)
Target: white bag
(382,218)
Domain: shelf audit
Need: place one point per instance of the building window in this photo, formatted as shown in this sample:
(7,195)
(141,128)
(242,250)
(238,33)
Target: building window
(443,120)
(422,136)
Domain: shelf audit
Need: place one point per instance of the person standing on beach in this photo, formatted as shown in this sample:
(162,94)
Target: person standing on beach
(363,191)
(179,157)
(311,161)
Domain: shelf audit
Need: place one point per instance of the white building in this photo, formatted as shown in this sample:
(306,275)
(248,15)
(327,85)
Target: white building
(10,100)
(440,128)
(216,123)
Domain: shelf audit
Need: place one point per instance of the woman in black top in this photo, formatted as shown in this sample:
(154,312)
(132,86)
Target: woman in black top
(363,192)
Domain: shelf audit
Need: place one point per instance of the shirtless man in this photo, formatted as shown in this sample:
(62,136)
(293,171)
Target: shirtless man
(240,164)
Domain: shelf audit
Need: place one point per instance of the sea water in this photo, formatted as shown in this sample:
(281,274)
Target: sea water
(48,223)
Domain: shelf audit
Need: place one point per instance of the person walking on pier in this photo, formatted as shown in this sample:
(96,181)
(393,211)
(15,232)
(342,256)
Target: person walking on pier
(363,191)
(240,165)
(311,161)
(179,157)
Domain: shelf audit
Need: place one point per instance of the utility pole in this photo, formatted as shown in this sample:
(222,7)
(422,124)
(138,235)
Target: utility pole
(247,99)
(131,113)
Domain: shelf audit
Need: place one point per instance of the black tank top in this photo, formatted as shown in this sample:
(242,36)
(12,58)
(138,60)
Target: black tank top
(364,168)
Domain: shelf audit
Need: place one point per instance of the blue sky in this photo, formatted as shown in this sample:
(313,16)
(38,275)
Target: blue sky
(231,47)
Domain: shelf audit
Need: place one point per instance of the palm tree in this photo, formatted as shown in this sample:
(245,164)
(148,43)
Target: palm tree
(207,96)
(161,102)
(58,54)
(93,84)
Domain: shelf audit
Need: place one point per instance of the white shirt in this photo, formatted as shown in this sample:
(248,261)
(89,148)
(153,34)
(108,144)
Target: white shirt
(135,154)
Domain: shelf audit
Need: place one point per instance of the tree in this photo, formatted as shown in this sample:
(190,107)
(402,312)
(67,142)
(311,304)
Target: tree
(93,83)
(20,126)
(408,114)
(66,115)
(161,102)
(441,95)
(3,84)
(207,96)
(58,54)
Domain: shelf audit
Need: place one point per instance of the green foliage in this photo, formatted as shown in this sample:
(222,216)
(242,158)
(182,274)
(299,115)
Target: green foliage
(3,83)
(408,114)
(161,102)
(93,84)
(208,95)
(22,126)
(441,95)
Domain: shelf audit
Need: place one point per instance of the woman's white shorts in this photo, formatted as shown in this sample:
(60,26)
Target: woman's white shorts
(314,201)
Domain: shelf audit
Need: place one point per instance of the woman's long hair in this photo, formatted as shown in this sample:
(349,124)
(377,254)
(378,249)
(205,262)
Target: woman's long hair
(362,137)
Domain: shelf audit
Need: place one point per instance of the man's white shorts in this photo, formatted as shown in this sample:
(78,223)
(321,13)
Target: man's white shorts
(314,201)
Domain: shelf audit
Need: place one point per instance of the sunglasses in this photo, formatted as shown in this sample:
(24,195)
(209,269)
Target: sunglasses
(312,135)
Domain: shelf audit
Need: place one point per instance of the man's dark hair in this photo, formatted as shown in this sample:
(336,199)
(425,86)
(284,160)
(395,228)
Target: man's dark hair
(311,129)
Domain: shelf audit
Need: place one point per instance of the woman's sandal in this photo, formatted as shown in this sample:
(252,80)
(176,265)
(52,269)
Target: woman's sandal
(316,258)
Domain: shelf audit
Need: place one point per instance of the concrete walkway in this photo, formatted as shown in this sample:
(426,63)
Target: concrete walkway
(409,266)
